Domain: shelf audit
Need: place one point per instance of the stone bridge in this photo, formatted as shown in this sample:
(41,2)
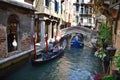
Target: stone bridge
(78,29)
(87,33)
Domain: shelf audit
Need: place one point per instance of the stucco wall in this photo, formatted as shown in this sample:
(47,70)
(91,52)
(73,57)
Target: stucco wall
(117,37)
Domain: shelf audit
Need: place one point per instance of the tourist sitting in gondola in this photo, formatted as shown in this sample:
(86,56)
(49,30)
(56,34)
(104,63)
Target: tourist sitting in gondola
(56,49)
(51,46)
(77,38)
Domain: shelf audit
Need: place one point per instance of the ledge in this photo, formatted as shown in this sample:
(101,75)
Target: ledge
(17,55)
(19,4)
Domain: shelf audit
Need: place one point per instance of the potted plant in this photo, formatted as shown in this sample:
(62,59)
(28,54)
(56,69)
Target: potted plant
(104,38)
(104,35)
(117,63)
(100,53)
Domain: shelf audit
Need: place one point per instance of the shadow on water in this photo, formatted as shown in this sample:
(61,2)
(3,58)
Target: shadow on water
(69,66)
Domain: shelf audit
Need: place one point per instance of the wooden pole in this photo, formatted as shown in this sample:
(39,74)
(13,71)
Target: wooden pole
(46,39)
(34,47)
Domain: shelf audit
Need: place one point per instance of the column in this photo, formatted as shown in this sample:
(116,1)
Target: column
(50,31)
(42,33)
(55,28)
(32,30)
(58,33)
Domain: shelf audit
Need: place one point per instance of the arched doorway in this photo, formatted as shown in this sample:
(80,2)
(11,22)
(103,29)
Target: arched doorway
(12,35)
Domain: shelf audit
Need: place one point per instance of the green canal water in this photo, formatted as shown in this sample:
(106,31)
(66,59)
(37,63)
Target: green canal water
(74,64)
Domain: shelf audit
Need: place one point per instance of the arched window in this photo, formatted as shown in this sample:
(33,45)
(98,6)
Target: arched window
(12,36)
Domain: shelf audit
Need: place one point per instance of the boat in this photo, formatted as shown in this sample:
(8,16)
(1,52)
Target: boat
(77,42)
(40,60)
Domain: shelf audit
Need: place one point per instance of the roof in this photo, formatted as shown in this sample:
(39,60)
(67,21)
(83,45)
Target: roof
(19,4)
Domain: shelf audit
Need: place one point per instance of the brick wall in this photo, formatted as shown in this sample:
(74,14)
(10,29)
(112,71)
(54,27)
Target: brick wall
(25,42)
(2,41)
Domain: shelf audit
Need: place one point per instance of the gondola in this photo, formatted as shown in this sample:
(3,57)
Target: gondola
(77,43)
(40,60)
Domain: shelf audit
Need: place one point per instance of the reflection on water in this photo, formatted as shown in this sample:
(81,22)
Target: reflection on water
(75,64)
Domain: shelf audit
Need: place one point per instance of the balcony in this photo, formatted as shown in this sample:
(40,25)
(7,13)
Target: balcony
(87,4)
(84,15)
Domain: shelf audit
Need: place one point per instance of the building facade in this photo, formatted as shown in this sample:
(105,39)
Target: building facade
(47,19)
(84,13)
(50,17)
(16,26)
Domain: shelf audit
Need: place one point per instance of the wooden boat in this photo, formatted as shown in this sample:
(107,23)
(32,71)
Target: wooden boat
(40,61)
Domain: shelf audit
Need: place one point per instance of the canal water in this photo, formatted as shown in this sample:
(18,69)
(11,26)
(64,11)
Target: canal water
(74,64)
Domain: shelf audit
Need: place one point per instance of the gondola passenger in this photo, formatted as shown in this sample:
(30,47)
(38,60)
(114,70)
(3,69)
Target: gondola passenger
(50,46)
(56,49)
(76,38)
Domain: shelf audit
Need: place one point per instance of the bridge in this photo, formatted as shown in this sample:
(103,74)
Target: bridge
(87,33)
(78,29)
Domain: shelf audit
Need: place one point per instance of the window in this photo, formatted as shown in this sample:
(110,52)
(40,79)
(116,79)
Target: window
(12,35)
(82,1)
(77,0)
(81,20)
(90,10)
(81,10)
(76,19)
(56,6)
(90,1)
(90,20)
(77,7)
(86,10)
(47,3)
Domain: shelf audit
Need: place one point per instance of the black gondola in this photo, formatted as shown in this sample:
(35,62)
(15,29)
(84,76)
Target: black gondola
(40,61)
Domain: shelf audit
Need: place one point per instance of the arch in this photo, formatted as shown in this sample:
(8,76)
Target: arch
(76,29)
(12,32)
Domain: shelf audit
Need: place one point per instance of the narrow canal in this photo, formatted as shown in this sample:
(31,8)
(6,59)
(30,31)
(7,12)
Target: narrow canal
(74,64)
